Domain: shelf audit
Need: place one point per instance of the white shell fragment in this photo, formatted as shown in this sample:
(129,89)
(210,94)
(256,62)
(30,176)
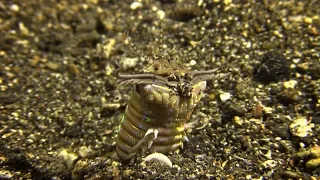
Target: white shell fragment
(225,96)
(193,62)
(160,157)
(301,127)
(161,14)
(135,5)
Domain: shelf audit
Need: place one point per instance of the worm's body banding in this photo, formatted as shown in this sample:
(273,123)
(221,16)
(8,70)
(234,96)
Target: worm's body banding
(162,101)
(156,107)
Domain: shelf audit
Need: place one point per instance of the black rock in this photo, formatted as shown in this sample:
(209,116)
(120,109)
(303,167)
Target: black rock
(273,67)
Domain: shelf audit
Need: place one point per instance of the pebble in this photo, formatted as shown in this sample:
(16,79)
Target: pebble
(193,62)
(5,174)
(273,67)
(258,111)
(127,173)
(227,2)
(35,60)
(73,69)
(129,63)
(225,96)
(316,118)
(315,151)
(110,106)
(282,131)
(307,20)
(161,14)
(53,66)
(135,5)
(68,158)
(85,151)
(301,127)
(24,30)
(290,174)
(77,171)
(289,96)
(290,84)
(14,7)
(270,163)
(238,120)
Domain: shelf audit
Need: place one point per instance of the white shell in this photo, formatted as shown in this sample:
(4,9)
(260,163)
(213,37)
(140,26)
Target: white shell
(160,157)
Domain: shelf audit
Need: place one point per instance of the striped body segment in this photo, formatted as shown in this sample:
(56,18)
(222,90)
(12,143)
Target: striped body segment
(159,107)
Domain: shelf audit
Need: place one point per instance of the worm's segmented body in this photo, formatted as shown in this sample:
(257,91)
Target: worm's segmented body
(156,107)
(161,103)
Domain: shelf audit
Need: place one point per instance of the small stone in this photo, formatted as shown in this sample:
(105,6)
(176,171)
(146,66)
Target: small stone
(282,131)
(258,111)
(273,67)
(108,109)
(270,164)
(129,63)
(135,5)
(290,84)
(285,146)
(193,62)
(267,110)
(316,118)
(111,106)
(77,171)
(290,174)
(313,163)
(233,109)
(301,127)
(289,96)
(14,7)
(5,174)
(227,2)
(315,151)
(69,158)
(212,97)
(307,20)
(225,96)
(53,66)
(314,178)
(295,18)
(35,60)
(238,120)
(128,172)
(24,30)
(161,14)
(314,69)
(85,151)
(73,69)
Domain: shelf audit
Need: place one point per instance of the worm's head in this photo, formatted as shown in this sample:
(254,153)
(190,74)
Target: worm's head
(165,66)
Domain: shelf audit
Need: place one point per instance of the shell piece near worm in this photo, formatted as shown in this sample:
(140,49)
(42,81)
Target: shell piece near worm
(160,157)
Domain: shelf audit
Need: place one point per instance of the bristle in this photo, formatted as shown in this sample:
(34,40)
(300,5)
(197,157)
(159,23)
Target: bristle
(136,50)
(161,38)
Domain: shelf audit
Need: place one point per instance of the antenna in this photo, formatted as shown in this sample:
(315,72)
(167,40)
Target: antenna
(136,50)
(201,41)
(161,37)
